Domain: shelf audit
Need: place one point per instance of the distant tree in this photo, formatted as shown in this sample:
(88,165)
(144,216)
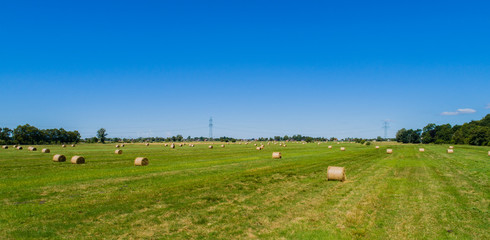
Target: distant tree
(5,135)
(101,134)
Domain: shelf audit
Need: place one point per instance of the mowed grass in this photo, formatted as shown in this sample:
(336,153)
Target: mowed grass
(238,192)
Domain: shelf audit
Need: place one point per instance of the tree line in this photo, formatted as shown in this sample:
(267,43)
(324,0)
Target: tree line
(472,133)
(27,134)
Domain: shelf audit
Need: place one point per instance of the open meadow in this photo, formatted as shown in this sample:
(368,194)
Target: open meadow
(238,192)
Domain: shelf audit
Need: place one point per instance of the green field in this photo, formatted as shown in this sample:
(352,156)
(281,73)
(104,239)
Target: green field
(238,192)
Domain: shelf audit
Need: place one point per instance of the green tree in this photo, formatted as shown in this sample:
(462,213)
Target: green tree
(101,134)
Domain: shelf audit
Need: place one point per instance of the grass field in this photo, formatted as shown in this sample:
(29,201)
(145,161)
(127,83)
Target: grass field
(238,192)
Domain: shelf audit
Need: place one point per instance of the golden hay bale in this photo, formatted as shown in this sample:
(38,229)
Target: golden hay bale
(166,145)
(222,145)
(210,147)
(15,146)
(258,148)
(421,150)
(117,146)
(141,161)
(122,145)
(180,145)
(276,155)
(377,147)
(46,150)
(118,151)
(450,151)
(284,145)
(338,143)
(73,145)
(172,146)
(488,153)
(32,149)
(77,160)
(255,144)
(5,147)
(330,147)
(342,148)
(19,148)
(147,144)
(451,147)
(389,151)
(335,173)
(63,145)
(59,158)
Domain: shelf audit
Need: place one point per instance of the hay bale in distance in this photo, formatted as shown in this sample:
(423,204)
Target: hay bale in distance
(73,145)
(172,146)
(276,155)
(377,147)
(488,153)
(166,145)
(59,158)
(421,150)
(46,150)
(258,148)
(63,145)
(342,148)
(330,147)
(118,151)
(117,146)
(5,147)
(32,149)
(210,147)
(389,151)
(451,147)
(222,145)
(19,148)
(77,160)
(335,173)
(15,146)
(450,151)
(141,161)
(122,145)
(147,144)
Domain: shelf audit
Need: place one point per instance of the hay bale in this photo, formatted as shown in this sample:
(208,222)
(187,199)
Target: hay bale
(338,143)
(377,147)
(141,161)
(255,144)
(330,147)
(73,145)
(46,150)
(284,145)
(421,150)
(210,147)
(5,147)
(488,153)
(166,145)
(342,148)
(180,145)
(122,145)
(276,155)
(117,146)
(172,146)
(335,173)
(450,151)
(389,151)
(59,158)
(258,148)
(32,149)
(222,145)
(147,144)
(451,147)
(15,146)
(19,148)
(63,145)
(118,151)
(77,160)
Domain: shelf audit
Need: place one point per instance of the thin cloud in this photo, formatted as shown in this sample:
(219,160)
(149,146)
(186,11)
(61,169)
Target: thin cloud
(459,111)
(488,106)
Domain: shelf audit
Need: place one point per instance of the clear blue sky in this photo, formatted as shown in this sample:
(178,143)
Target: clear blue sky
(259,68)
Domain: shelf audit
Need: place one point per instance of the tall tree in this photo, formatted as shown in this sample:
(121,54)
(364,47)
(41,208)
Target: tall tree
(101,135)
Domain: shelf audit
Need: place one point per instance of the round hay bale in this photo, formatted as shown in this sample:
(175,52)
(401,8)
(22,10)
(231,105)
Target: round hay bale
(172,146)
(147,144)
(5,147)
(73,145)
(15,146)
(258,148)
(338,143)
(118,151)
(19,148)
(335,173)
(180,145)
(32,149)
(166,145)
(488,153)
(450,151)
(421,150)
(330,147)
(284,145)
(222,145)
(46,150)
(141,161)
(210,147)
(389,151)
(255,144)
(342,148)
(59,158)
(451,147)
(377,147)
(122,145)
(77,160)
(117,146)
(276,155)
(63,145)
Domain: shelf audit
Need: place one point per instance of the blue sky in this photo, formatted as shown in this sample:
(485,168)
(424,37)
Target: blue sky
(259,68)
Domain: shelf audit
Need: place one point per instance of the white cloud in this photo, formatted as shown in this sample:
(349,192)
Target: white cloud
(459,111)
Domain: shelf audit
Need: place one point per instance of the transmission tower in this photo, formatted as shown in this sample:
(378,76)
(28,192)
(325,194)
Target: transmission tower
(386,126)
(211,129)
